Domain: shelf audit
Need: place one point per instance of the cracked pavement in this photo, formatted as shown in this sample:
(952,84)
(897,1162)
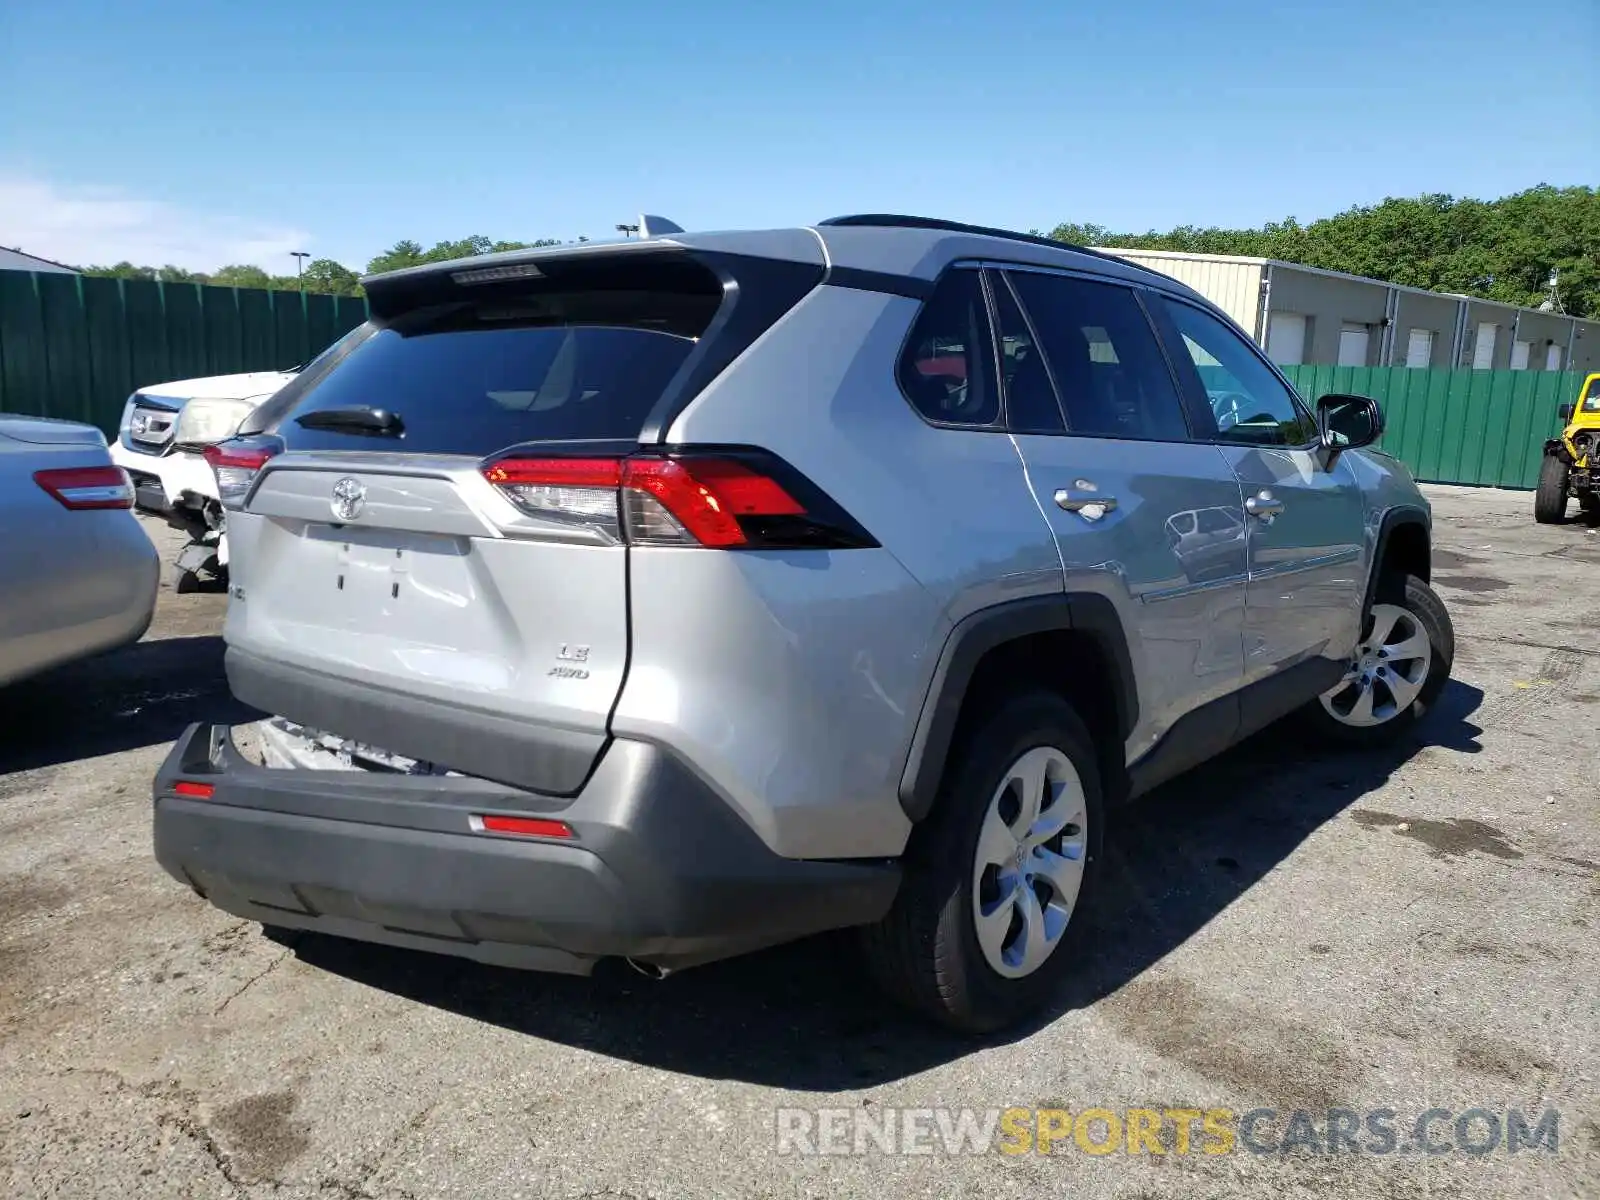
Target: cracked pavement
(1403,930)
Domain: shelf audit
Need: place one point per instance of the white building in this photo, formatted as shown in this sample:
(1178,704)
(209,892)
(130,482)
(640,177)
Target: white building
(1305,315)
(16,260)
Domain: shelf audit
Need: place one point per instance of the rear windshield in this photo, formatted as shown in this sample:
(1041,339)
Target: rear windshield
(474,378)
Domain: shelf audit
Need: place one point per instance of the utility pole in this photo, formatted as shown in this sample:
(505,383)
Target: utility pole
(300,257)
(627,230)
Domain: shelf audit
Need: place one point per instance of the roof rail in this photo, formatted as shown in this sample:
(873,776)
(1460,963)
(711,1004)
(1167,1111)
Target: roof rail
(901,221)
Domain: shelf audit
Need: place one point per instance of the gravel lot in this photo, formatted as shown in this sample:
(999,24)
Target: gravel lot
(1405,931)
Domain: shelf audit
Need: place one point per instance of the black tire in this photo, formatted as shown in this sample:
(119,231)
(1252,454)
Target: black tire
(925,952)
(1550,501)
(1589,502)
(1422,602)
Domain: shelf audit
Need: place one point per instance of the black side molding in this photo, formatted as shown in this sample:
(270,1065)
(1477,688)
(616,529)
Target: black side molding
(969,641)
(1210,729)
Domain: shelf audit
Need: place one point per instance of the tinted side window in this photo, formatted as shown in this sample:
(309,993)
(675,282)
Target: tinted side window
(1104,358)
(1031,405)
(947,367)
(1247,401)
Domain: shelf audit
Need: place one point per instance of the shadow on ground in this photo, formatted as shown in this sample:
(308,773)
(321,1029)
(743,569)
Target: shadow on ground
(805,1016)
(143,695)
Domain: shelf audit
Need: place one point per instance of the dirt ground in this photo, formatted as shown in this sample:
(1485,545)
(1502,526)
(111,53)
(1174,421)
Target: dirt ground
(1406,931)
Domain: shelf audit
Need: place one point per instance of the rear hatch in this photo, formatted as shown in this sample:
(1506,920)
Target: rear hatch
(389,587)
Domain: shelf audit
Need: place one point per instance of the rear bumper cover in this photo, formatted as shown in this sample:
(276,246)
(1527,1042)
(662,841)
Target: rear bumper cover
(493,746)
(660,869)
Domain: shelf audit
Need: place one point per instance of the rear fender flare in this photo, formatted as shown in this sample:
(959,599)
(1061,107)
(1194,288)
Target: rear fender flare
(964,649)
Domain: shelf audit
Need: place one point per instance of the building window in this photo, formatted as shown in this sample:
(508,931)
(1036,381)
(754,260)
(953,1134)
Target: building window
(1419,348)
(1483,348)
(1286,338)
(1353,341)
(1552,357)
(1520,350)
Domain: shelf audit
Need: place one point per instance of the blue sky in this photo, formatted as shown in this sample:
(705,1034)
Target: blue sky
(204,132)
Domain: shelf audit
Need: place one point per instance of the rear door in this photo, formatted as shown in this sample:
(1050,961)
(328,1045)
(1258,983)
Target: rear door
(1139,509)
(481,626)
(1306,521)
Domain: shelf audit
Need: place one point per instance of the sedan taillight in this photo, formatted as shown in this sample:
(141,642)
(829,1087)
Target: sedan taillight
(87,487)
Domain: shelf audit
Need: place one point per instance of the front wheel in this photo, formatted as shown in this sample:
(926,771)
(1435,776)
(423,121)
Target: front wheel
(1550,501)
(1589,502)
(1407,647)
(991,910)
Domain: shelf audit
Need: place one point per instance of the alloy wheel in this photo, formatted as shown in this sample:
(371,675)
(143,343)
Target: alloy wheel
(1386,672)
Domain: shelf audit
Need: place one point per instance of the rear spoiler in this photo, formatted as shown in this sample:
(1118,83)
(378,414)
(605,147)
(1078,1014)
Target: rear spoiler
(555,267)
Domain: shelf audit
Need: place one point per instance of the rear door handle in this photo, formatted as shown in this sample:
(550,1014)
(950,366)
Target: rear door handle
(1265,506)
(1089,505)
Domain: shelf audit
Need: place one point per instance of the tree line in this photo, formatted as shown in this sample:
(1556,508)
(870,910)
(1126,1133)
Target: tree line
(1538,246)
(323,276)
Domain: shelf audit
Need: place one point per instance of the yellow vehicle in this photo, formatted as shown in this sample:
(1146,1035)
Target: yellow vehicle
(1571,464)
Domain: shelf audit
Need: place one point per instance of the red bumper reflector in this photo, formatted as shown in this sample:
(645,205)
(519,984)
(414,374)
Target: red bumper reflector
(195,791)
(525,826)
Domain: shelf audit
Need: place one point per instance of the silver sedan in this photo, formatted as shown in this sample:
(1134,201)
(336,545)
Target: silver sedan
(77,574)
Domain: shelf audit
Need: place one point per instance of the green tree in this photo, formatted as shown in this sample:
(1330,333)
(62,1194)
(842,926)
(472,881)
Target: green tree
(1505,249)
(241,275)
(122,270)
(411,254)
(331,278)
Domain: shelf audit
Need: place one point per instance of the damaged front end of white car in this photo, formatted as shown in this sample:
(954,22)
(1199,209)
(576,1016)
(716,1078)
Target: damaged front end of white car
(162,441)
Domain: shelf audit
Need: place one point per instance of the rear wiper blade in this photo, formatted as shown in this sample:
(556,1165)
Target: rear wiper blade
(356,418)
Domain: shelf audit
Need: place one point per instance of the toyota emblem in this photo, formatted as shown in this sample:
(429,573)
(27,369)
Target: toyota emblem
(349,497)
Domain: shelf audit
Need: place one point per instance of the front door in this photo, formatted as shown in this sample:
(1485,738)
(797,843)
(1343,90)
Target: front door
(1306,520)
(1141,512)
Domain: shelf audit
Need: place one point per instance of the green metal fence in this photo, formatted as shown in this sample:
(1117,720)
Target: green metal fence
(1480,427)
(75,346)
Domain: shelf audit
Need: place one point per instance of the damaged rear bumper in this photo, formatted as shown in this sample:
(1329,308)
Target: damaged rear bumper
(657,868)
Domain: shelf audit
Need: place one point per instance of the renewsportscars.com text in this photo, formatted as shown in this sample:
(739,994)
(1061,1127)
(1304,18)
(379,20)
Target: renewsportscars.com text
(1180,1131)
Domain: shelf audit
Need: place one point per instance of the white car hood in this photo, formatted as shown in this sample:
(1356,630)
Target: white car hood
(251,386)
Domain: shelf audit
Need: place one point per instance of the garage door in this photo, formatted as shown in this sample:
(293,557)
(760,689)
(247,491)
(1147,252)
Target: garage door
(1353,345)
(1483,349)
(1286,338)
(1419,348)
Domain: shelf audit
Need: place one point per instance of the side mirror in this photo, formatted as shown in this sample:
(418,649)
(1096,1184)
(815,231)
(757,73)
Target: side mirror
(1565,413)
(1348,422)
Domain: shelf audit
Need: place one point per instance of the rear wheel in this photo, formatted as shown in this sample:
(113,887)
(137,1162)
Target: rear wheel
(1589,502)
(1396,673)
(1550,501)
(990,914)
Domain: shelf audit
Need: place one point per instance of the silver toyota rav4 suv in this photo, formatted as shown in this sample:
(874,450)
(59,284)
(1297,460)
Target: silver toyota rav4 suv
(669,599)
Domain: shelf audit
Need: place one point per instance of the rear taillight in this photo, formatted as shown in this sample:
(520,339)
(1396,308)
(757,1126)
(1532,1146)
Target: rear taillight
(87,487)
(237,462)
(743,499)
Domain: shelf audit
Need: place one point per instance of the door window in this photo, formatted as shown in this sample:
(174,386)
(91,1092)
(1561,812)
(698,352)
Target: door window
(947,367)
(1103,358)
(1246,400)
